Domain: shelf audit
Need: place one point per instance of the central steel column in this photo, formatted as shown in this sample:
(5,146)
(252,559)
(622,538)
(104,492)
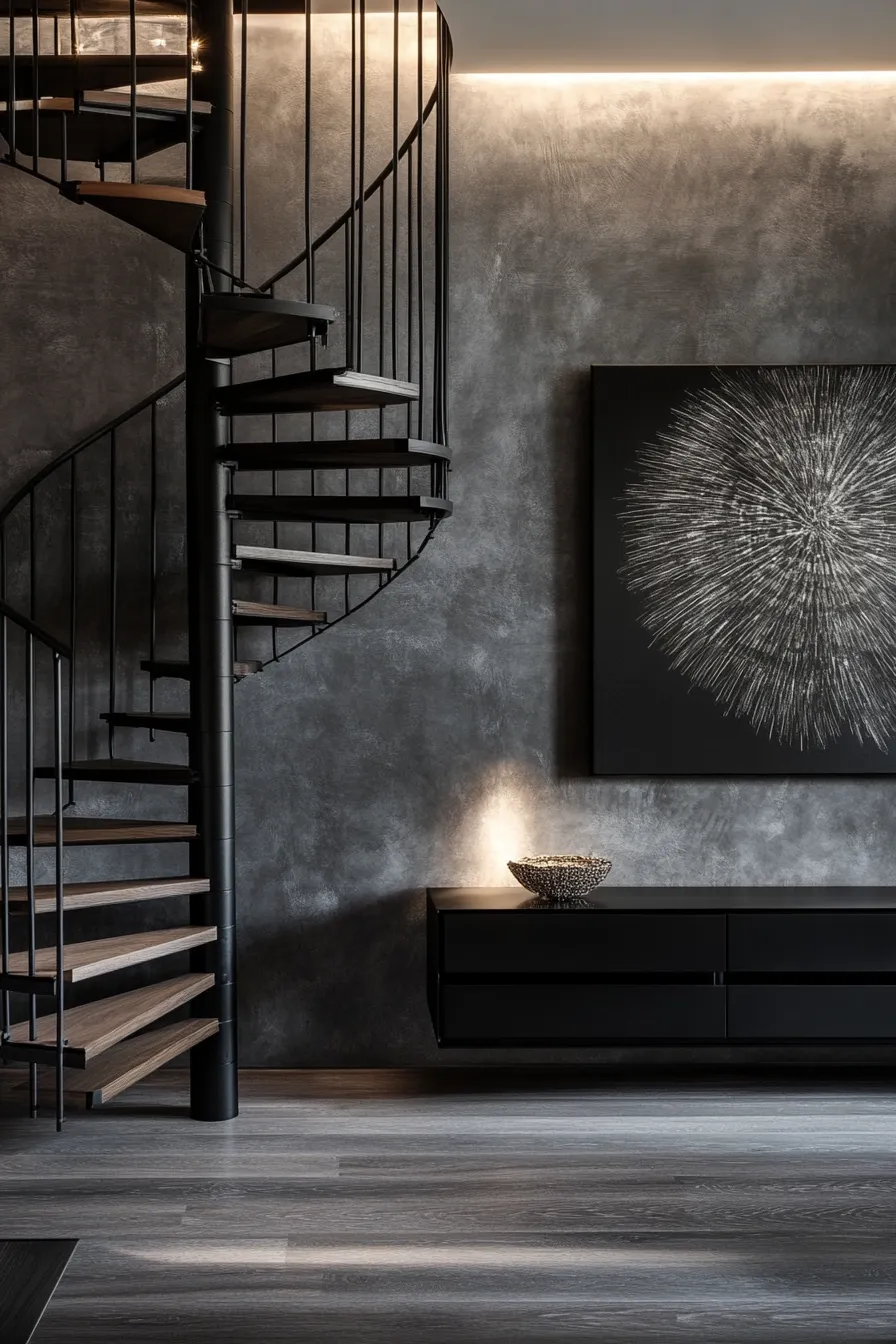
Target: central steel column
(213,1071)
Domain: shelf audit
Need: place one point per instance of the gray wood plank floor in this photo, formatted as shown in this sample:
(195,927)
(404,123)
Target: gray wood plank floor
(407,1206)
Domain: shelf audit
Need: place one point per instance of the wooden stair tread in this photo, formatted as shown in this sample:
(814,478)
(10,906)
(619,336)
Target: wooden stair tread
(100,132)
(163,720)
(122,772)
(334,454)
(179,669)
(274,613)
(64,76)
(340,508)
(243,324)
(94,1027)
(100,831)
(88,895)
(100,956)
(275,560)
(171,214)
(135,1058)
(337,389)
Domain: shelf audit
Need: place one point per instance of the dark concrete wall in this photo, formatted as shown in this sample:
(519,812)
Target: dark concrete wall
(445,727)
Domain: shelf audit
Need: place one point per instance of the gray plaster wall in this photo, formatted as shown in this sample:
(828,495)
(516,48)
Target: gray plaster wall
(446,727)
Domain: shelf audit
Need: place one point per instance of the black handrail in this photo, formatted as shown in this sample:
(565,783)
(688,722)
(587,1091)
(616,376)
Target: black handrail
(87,442)
(34,630)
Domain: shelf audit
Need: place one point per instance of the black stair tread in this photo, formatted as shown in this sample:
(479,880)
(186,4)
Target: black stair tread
(165,721)
(179,669)
(339,508)
(99,831)
(337,389)
(274,613)
(275,560)
(243,324)
(89,895)
(95,1027)
(136,1057)
(121,772)
(101,131)
(102,956)
(335,453)
(171,214)
(64,76)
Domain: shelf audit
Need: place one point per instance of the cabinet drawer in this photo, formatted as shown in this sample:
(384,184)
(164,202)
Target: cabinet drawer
(579,942)
(533,1014)
(820,1012)
(835,941)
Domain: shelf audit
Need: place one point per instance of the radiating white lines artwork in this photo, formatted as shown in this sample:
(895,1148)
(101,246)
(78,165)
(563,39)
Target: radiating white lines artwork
(760,538)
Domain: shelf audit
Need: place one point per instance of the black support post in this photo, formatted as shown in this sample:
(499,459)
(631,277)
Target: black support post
(213,1073)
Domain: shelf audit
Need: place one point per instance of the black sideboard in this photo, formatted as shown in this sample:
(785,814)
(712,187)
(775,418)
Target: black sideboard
(649,965)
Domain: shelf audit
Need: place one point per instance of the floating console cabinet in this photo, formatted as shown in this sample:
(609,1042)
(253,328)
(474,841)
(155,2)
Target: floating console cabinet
(663,965)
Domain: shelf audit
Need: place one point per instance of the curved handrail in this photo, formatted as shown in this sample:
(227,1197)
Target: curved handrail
(30,485)
(34,630)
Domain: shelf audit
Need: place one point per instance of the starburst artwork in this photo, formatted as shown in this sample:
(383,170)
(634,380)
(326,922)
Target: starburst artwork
(747,517)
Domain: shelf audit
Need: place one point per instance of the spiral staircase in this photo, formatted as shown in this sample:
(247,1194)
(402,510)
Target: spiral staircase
(287,478)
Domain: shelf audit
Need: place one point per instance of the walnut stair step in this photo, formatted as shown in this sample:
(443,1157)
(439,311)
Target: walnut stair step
(99,131)
(122,772)
(163,721)
(179,670)
(95,1027)
(90,895)
(171,214)
(100,831)
(64,76)
(101,956)
(318,390)
(340,508)
(274,560)
(334,454)
(135,1058)
(273,613)
(243,324)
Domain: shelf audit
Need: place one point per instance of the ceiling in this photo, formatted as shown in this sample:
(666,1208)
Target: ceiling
(593,36)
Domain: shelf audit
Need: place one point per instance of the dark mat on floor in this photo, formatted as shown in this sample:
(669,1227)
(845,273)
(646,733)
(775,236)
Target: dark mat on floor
(29,1273)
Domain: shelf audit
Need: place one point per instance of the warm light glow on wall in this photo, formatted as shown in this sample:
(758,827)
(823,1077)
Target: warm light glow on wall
(504,825)
(681,76)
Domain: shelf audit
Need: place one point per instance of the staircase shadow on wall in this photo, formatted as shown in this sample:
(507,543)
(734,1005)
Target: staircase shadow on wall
(337,989)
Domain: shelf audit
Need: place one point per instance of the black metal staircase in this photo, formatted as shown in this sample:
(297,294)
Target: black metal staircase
(166,557)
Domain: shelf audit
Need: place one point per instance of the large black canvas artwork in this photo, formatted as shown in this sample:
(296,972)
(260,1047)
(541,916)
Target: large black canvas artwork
(745,570)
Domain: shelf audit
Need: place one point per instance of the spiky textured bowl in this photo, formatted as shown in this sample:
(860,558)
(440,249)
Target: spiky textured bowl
(560,880)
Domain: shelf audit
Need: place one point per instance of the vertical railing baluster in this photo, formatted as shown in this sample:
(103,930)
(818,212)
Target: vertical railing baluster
(352,199)
(421,334)
(6,1021)
(191,61)
(362,168)
(35,78)
(29,856)
(60,891)
(72,620)
(73,36)
(440,313)
(395,98)
(410,294)
(309,230)
(11,79)
(32,555)
(244,99)
(153,552)
(132,15)
(113,587)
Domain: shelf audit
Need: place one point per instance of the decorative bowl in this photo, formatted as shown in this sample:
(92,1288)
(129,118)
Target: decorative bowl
(560,881)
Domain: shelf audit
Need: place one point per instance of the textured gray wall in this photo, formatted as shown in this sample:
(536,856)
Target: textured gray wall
(445,727)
